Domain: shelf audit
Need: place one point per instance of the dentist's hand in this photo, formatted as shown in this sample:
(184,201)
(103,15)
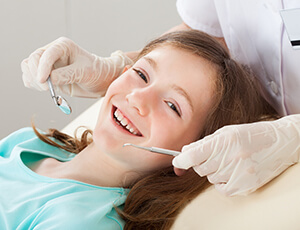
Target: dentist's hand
(238,159)
(73,70)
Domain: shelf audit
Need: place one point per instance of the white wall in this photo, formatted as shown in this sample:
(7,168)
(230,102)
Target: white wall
(100,26)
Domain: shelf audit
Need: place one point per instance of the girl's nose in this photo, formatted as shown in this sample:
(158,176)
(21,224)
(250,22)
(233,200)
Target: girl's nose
(143,100)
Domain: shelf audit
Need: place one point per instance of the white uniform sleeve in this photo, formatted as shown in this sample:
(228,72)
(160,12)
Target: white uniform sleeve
(200,15)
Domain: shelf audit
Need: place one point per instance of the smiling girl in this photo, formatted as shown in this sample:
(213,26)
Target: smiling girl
(183,87)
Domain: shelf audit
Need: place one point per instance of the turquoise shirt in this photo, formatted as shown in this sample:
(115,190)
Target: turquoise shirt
(32,201)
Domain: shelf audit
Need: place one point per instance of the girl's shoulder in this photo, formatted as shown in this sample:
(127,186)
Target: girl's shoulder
(91,209)
(15,138)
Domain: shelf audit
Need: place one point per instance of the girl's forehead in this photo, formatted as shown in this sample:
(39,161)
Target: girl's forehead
(179,58)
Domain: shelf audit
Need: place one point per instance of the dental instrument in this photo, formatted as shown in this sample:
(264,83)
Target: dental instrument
(155,149)
(59,100)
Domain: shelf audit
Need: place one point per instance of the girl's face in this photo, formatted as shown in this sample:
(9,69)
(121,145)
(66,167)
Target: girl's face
(162,101)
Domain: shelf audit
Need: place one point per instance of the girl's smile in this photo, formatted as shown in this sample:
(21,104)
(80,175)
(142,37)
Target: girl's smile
(124,123)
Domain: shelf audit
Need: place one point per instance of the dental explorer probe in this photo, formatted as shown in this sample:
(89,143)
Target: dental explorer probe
(155,149)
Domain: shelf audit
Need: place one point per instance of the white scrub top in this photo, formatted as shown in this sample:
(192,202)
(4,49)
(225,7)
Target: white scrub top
(255,35)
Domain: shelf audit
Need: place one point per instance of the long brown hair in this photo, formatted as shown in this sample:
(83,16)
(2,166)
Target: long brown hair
(155,200)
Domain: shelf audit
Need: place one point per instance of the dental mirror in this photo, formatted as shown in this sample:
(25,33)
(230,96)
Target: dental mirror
(59,101)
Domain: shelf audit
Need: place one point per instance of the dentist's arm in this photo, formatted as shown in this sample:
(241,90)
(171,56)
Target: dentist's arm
(73,70)
(239,159)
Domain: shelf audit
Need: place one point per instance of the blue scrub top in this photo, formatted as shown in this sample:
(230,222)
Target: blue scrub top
(31,201)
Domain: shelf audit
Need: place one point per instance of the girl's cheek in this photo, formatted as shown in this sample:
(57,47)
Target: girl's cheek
(122,82)
(115,87)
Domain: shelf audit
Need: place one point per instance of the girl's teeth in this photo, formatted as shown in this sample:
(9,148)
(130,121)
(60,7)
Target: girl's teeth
(124,122)
(119,116)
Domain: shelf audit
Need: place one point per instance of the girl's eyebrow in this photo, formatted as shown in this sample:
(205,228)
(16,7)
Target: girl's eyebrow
(177,88)
(152,63)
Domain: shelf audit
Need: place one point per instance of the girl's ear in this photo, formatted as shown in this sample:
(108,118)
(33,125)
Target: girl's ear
(126,68)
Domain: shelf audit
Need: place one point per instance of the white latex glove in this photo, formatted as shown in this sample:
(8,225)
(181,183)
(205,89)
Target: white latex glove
(238,159)
(73,70)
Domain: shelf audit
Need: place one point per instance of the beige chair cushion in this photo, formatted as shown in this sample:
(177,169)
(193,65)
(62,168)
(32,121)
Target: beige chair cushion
(276,206)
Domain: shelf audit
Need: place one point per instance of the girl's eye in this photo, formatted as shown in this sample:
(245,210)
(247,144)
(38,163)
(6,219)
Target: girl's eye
(141,75)
(173,107)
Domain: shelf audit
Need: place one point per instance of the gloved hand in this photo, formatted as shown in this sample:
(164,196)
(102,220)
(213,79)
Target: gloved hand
(238,159)
(73,70)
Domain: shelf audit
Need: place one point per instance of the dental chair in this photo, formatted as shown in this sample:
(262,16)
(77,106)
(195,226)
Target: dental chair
(275,206)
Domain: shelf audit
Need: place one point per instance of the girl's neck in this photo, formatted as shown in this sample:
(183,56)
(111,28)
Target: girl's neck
(89,166)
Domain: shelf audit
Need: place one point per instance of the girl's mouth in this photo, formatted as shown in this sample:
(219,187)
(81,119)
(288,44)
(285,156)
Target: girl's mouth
(124,122)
